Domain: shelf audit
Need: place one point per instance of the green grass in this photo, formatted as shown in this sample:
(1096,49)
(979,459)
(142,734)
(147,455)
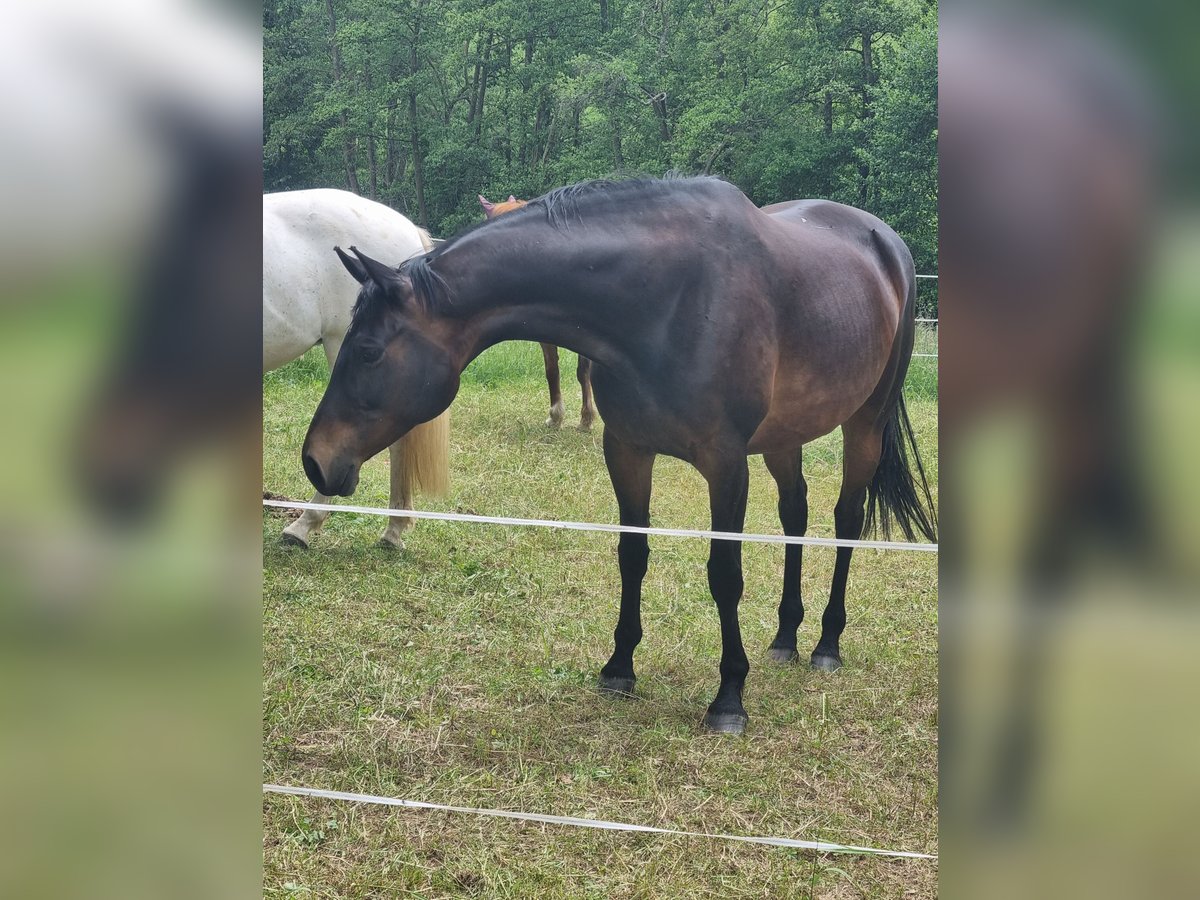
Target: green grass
(462,671)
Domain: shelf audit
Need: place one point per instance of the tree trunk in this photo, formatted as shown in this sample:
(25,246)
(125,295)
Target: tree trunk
(418,160)
(372,158)
(865,114)
(483,82)
(473,89)
(349,156)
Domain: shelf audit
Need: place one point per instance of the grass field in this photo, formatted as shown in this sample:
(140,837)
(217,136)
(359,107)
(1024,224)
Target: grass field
(462,671)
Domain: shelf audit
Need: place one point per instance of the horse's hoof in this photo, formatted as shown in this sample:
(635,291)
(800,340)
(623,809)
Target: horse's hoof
(393,546)
(553,423)
(291,540)
(620,685)
(782,654)
(822,662)
(726,723)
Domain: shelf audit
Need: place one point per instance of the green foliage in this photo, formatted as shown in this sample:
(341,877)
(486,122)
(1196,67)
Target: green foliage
(427,103)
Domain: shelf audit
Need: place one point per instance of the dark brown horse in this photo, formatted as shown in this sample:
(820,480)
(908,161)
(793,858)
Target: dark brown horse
(717,330)
(583,371)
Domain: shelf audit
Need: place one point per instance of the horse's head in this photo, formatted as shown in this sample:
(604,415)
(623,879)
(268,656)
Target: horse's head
(491,210)
(395,370)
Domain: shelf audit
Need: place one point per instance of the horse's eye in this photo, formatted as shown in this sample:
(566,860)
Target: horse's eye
(371,353)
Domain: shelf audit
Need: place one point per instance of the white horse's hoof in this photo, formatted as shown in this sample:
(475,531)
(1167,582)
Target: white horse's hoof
(385,543)
(291,540)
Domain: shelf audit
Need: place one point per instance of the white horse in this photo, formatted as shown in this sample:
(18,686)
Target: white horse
(307,300)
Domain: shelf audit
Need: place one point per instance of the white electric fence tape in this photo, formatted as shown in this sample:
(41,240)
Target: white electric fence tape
(819,846)
(593,526)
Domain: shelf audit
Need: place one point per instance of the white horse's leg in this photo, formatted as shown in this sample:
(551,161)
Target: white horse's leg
(298,533)
(309,524)
(401,498)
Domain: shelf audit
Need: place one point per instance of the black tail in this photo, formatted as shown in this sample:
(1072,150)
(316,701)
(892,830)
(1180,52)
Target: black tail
(894,490)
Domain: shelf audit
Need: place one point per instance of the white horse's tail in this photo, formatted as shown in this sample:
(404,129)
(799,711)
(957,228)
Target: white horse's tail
(424,458)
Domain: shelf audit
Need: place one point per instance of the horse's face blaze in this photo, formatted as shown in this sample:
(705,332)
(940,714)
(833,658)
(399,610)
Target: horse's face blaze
(391,375)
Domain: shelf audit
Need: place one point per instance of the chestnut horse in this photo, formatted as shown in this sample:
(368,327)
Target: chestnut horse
(583,371)
(717,330)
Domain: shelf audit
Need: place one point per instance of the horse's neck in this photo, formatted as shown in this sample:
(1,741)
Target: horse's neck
(540,295)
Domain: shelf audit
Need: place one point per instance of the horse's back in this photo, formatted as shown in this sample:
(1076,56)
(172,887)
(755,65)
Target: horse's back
(307,294)
(847,223)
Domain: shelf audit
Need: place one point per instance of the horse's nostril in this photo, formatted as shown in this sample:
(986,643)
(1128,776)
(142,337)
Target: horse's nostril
(313,470)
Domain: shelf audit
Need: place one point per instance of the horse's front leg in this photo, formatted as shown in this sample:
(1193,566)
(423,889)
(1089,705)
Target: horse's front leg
(728,484)
(557,411)
(630,470)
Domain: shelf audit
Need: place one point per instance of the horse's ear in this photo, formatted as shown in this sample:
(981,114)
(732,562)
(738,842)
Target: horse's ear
(378,272)
(353,266)
(487,206)
(512,198)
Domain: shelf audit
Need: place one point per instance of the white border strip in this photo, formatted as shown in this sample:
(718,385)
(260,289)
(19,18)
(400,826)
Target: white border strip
(819,846)
(592,526)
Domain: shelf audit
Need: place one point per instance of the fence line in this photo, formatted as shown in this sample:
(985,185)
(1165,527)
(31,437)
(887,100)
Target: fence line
(578,822)
(595,526)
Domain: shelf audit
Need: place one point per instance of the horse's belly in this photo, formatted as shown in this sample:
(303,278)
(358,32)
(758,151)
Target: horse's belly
(780,433)
(798,415)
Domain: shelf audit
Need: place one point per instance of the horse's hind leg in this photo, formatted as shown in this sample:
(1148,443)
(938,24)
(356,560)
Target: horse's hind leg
(862,442)
(400,498)
(308,525)
(630,470)
(584,373)
(793,515)
(550,355)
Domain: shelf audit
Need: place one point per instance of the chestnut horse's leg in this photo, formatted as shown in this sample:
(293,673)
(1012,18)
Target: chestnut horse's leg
(862,441)
(584,373)
(785,468)
(728,484)
(550,355)
(630,470)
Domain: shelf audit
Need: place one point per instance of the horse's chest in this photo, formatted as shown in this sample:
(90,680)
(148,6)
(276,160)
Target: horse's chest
(649,415)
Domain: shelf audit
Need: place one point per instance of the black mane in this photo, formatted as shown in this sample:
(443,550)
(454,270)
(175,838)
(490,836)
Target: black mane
(428,286)
(559,206)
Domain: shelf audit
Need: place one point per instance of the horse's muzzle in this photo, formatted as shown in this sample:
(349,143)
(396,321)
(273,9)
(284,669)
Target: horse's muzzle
(334,479)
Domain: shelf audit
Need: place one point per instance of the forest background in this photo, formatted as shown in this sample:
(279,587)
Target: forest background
(423,104)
